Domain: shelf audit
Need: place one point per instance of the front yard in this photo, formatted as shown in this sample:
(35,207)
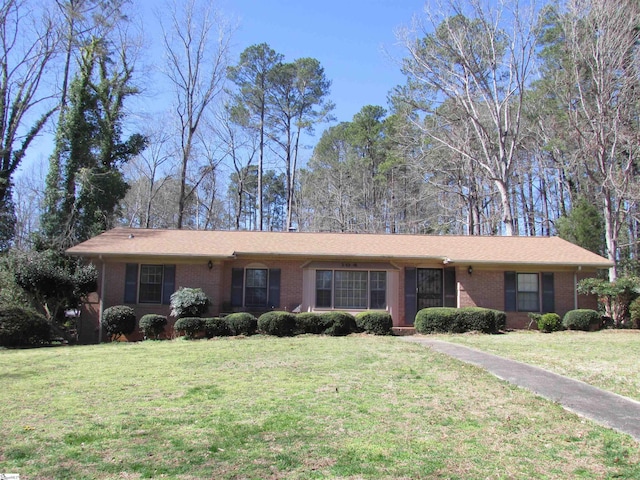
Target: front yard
(303,407)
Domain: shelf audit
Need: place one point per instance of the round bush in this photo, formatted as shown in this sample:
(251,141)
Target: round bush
(190,326)
(475,319)
(339,323)
(378,323)
(581,319)
(118,320)
(152,325)
(549,322)
(435,320)
(309,322)
(280,324)
(216,327)
(189,302)
(242,323)
(21,327)
(500,320)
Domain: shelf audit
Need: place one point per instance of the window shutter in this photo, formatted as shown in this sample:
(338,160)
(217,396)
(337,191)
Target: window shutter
(548,293)
(410,297)
(237,286)
(168,283)
(450,294)
(510,292)
(131,283)
(274,288)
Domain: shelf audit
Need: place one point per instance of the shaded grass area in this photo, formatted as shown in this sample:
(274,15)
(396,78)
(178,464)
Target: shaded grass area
(607,359)
(304,407)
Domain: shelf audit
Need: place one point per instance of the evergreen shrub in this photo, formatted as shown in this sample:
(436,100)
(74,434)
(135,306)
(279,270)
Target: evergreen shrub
(190,326)
(189,302)
(338,323)
(21,327)
(549,322)
(152,325)
(377,323)
(580,319)
(118,320)
(435,320)
(216,327)
(310,322)
(241,323)
(459,320)
(280,324)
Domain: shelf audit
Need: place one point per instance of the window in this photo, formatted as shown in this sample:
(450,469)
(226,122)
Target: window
(149,283)
(528,292)
(351,289)
(256,287)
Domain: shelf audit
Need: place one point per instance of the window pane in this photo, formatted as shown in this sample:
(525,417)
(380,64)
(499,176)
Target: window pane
(350,289)
(528,292)
(323,288)
(150,284)
(256,288)
(378,297)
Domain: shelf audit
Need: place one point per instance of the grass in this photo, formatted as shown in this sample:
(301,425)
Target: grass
(305,407)
(607,359)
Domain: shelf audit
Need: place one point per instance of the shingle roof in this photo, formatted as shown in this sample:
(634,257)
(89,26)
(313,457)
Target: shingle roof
(128,242)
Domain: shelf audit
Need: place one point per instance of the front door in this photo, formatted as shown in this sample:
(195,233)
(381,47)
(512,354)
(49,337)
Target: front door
(429,288)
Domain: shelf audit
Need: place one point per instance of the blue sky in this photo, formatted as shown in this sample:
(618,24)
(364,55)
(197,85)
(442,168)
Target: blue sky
(348,37)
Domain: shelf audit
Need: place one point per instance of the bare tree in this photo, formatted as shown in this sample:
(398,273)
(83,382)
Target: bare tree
(197,46)
(468,58)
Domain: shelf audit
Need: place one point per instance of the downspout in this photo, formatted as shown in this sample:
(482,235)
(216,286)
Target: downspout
(101,303)
(575,288)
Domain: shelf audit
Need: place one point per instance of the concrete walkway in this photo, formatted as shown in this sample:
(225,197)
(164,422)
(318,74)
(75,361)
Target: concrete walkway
(609,409)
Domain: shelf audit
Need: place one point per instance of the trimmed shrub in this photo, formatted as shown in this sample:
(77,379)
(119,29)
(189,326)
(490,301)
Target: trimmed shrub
(22,327)
(549,322)
(190,326)
(152,325)
(378,323)
(189,302)
(581,319)
(458,320)
(280,324)
(216,327)
(338,323)
(242,323)
(309,322)
(118,320)
(500,320)
(435,320)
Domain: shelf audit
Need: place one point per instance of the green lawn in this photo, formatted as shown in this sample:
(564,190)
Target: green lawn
(305,407)
(608,359)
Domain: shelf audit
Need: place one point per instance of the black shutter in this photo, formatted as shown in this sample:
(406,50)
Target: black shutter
(510,292)
(237,286)
(168,283)
(274,288)
(410,297)
(450,293)
(548,293)
(131,283)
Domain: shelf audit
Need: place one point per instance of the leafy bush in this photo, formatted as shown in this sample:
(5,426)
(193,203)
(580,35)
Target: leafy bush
(280,324)
(22,327)
(378,323)
(459,320)
(190,326)
(634,312)
(189,302)
(581,319)
(338,323)
(152,325)
(309,322)
(549,322)
(118,320)
(242,323)
(216,327)
(435,320)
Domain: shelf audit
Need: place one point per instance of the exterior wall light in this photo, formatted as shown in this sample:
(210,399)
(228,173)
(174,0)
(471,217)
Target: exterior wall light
(210,264)
(470,270)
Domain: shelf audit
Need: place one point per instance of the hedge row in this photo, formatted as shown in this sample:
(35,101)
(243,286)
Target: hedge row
(285,324)
(20,327)
(459,320)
